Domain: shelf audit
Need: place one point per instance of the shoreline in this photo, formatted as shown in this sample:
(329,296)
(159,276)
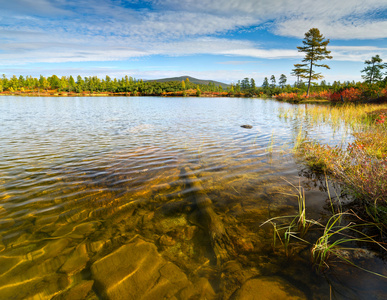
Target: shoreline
(124,94)
(187,94)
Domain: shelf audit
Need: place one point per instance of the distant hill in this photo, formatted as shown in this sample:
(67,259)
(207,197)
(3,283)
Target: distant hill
(191,79)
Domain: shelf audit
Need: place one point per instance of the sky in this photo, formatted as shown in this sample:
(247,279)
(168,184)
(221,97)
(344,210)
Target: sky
(223,40)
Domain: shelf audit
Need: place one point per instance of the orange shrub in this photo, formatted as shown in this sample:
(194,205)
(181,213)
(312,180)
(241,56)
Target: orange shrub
(350,94)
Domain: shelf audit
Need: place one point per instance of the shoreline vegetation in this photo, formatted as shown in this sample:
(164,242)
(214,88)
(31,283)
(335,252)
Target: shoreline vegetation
(360,169)
(336,93)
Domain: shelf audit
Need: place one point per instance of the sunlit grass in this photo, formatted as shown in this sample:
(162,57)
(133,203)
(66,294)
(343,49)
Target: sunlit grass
(354,116)
(361,165)
(361,168)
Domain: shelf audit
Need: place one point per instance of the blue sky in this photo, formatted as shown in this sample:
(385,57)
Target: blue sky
(224,40)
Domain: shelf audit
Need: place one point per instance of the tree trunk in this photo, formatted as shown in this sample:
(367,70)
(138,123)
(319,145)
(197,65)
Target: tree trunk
(310,78)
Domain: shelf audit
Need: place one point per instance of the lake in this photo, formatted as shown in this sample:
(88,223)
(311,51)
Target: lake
(160,198)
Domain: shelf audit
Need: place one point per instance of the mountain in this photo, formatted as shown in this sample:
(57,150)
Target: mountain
(192,80)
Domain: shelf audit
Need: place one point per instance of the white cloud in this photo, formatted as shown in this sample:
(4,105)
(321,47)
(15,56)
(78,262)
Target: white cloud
(103,30)
(80,50)
(34,7)
(339,19)
(356,53)
(334,29)
(237,62)
(270,8)
(260,53)
(357,48)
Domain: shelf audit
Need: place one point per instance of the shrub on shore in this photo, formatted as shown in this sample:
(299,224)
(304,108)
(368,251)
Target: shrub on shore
(361,167)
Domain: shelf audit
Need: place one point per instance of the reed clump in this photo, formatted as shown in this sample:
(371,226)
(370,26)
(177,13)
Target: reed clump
(360,166)
(330,240)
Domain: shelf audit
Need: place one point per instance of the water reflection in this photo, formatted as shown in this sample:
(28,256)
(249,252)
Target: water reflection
(150,197)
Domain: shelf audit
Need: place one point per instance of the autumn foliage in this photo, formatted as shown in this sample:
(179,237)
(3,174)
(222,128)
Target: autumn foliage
(348,94)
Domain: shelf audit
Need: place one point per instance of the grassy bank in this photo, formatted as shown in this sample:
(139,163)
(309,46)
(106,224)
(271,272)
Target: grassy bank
(359,93)
(360,167)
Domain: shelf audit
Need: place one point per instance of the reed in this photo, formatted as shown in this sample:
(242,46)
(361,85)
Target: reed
(296,228)
(335,238)
(270,146)
(354,116)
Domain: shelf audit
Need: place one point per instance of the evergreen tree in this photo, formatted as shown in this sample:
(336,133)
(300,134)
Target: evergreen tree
(21,81)
(252,84)
(373,70)
(14,83)
(315,49)
(198,91)
(71,83)
(43,83)
(273,82)
(5,82)
(265,83)
(63,84)
(282,80)
(54,81)
(245,84)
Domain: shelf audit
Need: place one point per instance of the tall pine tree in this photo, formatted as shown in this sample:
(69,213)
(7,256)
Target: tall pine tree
(315,49)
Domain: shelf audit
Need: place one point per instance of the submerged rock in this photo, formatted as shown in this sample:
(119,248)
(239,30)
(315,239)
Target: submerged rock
(78,231)
(6,223)
(76,261)
(137,270)
(81,291)
(166,240)
(268,288)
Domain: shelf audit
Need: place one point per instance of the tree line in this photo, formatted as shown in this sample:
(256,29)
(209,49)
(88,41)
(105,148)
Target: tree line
(272,88)
(92,84)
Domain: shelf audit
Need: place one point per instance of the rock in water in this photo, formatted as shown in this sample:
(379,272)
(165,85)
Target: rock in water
(137,271)
(247,126)
(268,288)
(76,261)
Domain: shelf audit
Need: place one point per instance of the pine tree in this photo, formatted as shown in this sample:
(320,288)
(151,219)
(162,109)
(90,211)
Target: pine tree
(265,83)
(245,84)
(315,47)
(373,70)
(252,84)
(273,82)
(282,80)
